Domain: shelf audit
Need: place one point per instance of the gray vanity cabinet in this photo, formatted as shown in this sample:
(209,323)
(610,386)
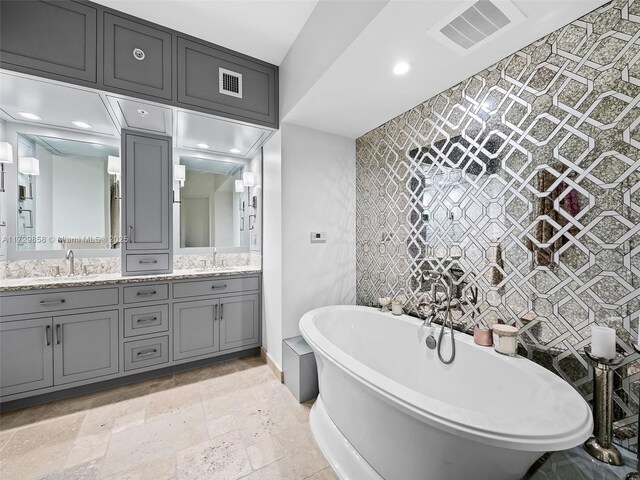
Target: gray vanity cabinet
(55,39)
(146,203)
(26,354)
(85,346)
(226,84)
(239,321)
(195,328)
(137,58)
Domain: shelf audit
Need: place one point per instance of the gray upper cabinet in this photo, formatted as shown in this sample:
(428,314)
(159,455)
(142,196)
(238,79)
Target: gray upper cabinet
(239,321)
(55,39)
(26,354)
(217,81)
(137,58)
(147,202)
(85,346)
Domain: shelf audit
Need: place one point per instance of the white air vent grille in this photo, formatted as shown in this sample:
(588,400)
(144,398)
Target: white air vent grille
(230,82)
(475,23)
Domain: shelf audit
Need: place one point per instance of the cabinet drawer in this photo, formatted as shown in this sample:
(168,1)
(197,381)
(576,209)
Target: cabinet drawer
(250,95)
(137,58)
(144,320)
(146,293)
(147,262)
(57,300)
(145,353)
(215,287)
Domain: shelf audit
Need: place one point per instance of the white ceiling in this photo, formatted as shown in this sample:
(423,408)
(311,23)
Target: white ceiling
(359,92)
(264,29)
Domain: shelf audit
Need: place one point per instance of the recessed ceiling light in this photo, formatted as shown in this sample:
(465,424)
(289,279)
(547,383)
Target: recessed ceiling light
(234,150)
(81,124)
(203,145)
(29,116)
(142,112)
(401,68)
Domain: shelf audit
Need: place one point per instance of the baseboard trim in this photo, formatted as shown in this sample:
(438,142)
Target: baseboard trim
(274,368)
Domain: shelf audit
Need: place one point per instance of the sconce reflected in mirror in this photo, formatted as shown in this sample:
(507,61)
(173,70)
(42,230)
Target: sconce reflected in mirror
(179,175)
(29,166)
(114,168)
(249,181)
(6,156)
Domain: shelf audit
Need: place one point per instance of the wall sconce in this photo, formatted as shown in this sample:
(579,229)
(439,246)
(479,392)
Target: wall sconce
(239,187)
(179,175)
(114,166)
(29,166)
(6,156)
(249,181)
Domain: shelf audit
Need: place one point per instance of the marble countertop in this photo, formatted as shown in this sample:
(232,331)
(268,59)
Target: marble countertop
(20,284)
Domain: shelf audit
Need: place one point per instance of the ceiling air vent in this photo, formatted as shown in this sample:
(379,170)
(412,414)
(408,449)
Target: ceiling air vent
(230,82)
(476,23)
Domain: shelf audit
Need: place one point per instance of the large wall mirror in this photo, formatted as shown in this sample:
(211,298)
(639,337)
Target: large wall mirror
(213,207)
(66,196)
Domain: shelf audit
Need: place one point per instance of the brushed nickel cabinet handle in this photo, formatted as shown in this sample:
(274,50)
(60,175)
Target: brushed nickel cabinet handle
(221,311)
(47,335)
(145,261)
(215,287)
(146,353)
(58,334)
(215,315)
(139,54)
(44,303)
(130,236)
(146,294)
(146,320)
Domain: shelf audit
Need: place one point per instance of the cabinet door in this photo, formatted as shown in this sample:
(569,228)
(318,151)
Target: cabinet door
(26,355)
(147,175)
(226,84)
(195,329)
(49,38)
(137,58)
(239,321)
(85,346)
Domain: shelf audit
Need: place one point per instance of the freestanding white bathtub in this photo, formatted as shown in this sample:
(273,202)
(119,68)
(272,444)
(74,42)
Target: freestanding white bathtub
(388,408)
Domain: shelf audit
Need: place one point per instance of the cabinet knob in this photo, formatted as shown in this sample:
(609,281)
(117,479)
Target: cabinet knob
(138,54)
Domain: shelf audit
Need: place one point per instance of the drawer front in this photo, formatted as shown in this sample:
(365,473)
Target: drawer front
(215,287)
(57,300)
(137,58)
(146,293)
(200,78)
(145,320)
(145,353)
(147,262)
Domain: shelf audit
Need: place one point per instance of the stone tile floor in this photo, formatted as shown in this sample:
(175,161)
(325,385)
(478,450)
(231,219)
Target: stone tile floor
(227,421)
(233,420)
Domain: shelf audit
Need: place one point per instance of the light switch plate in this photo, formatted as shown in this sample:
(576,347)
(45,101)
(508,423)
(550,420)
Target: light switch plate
(318,237)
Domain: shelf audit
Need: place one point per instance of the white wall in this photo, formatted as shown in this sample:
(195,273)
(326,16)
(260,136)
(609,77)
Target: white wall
(272,249)
(317,193)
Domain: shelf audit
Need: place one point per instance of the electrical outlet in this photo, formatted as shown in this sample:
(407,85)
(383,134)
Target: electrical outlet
(318,237)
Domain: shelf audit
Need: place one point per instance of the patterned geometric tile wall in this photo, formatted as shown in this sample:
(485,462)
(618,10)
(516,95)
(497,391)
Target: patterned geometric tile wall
(523,181)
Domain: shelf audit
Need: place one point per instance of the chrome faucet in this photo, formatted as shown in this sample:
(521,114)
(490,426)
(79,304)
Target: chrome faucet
(438,306)
(214,253)
(69,256)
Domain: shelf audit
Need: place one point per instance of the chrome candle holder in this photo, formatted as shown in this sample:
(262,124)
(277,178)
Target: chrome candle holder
(636,475)
(600,446)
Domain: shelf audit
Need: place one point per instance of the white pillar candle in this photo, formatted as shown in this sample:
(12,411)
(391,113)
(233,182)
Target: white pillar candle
(603,342)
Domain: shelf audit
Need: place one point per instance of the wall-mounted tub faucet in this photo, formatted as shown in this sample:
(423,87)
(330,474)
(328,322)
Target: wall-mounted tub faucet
(447,287)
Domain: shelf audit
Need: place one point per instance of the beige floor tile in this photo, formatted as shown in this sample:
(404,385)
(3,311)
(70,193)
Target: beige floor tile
(264,452)
(128,421)
(219,406)
(221,425)
(86,471)
(5,436)
(172,401)
(163,468)
(301,451)
(263,421)
(39,449)
(222,458)
(280,470)
(87,448)
(156,439)
(326,474)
